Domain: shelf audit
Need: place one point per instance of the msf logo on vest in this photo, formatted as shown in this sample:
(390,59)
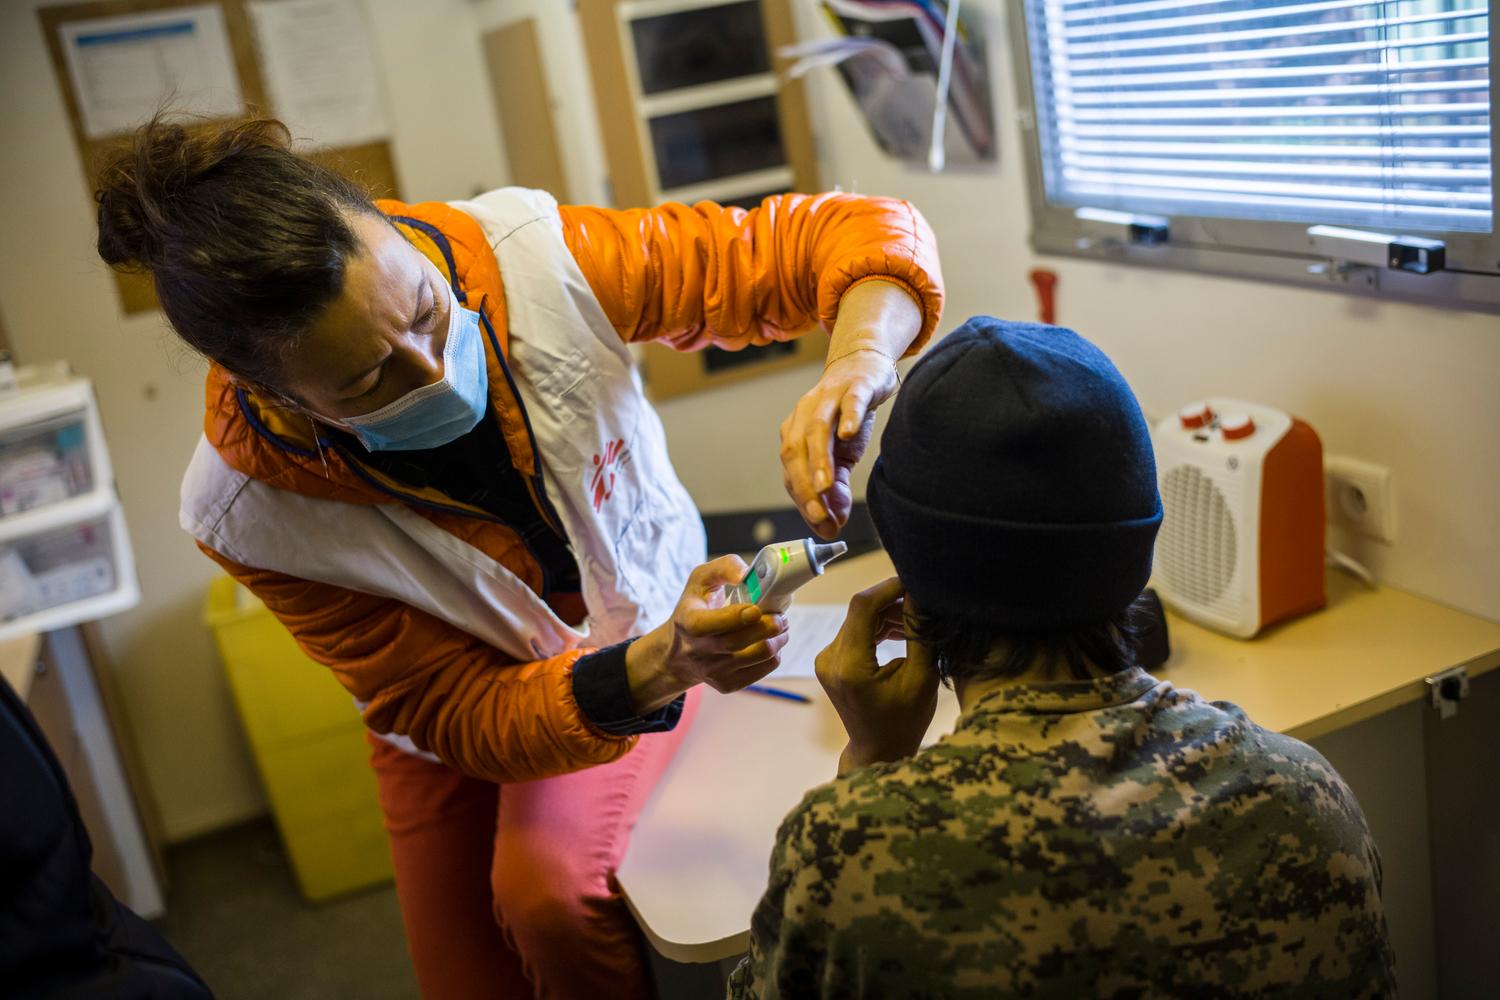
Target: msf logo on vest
(616,456)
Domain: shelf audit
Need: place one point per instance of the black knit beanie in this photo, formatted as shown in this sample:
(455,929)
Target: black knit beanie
(1015,485)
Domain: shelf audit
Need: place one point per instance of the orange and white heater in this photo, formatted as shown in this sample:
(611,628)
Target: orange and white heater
(1241,540)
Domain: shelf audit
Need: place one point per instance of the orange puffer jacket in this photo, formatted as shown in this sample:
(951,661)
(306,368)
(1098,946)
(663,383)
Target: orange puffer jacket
(687,276)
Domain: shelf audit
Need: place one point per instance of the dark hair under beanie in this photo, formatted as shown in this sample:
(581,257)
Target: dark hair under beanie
(1015,485)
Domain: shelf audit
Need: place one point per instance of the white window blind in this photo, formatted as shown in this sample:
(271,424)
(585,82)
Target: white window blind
(1337,111)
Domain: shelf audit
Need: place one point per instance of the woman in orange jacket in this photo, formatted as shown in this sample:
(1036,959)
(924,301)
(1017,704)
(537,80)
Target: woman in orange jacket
(427,451)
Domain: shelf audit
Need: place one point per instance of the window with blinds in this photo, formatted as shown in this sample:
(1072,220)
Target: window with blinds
(1344,112)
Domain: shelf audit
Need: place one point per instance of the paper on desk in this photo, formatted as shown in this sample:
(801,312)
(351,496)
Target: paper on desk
(810,627)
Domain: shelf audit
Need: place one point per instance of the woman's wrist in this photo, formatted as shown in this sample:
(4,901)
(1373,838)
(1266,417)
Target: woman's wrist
(879,355)
(875,315)
(652,685)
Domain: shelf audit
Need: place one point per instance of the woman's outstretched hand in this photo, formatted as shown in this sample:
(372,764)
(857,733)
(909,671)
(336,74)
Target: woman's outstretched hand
(827,434)
(831,425)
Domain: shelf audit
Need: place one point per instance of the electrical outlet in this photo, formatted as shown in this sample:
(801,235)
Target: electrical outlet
(1362,495)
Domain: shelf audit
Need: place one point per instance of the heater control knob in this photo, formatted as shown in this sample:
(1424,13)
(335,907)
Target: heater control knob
(1195,415)
(1235,426)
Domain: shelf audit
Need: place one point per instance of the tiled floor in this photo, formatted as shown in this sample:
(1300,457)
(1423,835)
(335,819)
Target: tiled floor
(235,914)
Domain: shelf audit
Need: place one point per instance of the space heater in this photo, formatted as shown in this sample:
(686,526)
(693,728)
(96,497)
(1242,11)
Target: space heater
(1241,540)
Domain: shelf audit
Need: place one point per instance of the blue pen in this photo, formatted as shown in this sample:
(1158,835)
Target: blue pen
(779,693)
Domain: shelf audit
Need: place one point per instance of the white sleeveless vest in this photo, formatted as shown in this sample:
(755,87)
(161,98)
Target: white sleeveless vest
(632,527)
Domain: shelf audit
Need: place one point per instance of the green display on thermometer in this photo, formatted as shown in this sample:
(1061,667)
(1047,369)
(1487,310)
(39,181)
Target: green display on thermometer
(779,569)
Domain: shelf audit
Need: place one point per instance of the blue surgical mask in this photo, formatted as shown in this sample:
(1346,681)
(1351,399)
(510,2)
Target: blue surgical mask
(441,412)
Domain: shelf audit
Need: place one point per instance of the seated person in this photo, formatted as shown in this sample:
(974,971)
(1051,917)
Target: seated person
(1087,829)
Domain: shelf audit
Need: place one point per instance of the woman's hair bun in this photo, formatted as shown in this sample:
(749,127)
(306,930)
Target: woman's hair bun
(246,241)
(140,185)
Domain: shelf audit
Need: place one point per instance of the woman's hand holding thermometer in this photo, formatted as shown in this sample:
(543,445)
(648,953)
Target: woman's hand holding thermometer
(727,629)
(706,641)
(778,570)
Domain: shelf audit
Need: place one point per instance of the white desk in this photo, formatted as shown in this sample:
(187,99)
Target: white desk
(697,862)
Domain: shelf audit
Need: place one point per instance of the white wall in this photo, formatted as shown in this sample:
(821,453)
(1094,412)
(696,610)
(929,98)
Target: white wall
(59,302)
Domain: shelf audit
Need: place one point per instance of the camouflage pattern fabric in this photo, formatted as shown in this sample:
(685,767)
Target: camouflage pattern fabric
(1118,837)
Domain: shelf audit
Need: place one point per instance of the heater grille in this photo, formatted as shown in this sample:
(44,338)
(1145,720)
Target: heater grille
(1197,543)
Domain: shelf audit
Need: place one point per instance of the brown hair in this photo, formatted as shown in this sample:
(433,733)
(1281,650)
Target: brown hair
(246,241)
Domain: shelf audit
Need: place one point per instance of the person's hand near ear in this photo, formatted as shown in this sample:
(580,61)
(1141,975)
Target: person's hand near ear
(886,708)
(827,432)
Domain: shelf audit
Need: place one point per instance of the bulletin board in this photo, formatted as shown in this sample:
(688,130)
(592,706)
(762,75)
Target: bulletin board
(371,164)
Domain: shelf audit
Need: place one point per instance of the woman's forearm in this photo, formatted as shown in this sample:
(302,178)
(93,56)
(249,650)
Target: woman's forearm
(875,315)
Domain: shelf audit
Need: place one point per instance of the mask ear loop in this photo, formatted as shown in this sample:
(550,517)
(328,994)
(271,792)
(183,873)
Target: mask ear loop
(284,402)
(318,444)
(312,425)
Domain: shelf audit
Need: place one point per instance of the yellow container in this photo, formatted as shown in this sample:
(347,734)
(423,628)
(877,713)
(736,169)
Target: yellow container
(309,746)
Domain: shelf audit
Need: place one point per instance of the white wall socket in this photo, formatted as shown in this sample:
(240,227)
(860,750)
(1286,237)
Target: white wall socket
(1362,495)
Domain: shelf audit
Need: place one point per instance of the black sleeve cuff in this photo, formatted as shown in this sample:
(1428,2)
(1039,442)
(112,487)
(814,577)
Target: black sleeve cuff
(603,694)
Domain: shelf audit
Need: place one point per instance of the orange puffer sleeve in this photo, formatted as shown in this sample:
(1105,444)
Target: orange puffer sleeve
(706,274)
(454,695)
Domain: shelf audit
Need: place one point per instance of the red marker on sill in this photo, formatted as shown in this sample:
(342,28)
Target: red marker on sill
(1045,282)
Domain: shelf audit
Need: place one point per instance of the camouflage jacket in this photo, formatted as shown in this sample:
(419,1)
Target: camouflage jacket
(1116,837)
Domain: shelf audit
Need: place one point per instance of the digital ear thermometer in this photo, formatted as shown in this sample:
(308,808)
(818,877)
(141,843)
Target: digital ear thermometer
(779,569)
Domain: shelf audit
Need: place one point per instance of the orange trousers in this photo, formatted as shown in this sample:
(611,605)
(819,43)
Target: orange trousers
(509,890)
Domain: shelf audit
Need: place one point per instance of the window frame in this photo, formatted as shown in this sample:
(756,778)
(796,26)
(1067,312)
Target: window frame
(1267,250)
